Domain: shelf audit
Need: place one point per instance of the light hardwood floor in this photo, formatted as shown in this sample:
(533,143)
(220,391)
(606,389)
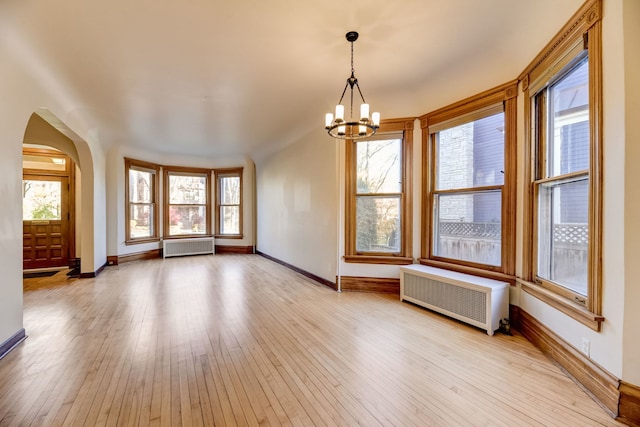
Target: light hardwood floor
(240,340)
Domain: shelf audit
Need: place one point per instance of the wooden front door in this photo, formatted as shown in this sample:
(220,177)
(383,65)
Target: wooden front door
(45,221)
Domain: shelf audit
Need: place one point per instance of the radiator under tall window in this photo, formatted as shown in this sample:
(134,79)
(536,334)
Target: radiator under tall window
(191,246)
(475,300)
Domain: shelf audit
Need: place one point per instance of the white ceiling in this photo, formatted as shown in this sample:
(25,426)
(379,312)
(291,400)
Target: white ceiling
(237,77)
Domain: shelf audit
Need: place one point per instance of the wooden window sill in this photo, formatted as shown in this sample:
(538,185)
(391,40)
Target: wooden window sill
(570,308)
(228,236)
(378,259)
(140,241)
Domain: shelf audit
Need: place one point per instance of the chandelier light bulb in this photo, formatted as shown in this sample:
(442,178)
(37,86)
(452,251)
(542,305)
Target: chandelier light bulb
(364,112)
(328,120)
(339,113)
(375,118)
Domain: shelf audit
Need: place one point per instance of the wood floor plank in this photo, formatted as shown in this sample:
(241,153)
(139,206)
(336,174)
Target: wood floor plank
(240,340)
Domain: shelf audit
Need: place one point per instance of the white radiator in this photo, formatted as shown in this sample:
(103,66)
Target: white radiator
(475,300)
(191,246)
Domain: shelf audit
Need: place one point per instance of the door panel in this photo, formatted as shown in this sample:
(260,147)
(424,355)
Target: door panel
(45,221)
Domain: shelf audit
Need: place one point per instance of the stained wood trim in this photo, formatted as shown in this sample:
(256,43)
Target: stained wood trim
(12,342)
(506,95)
(600,384)
(223,173)
(462,268)
(629,407)
(181,170)
(495,95)
(370,284)
(155,195)
(580,22)
(574,310)
(378,259)
(305,273)
(150,254)
(225,249)
(582,31)
(406,125)
(92,274)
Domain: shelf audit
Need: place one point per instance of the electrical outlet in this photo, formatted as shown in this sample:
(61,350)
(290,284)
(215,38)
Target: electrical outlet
(586,347)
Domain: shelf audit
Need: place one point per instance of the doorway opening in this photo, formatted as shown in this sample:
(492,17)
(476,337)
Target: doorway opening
(48,211)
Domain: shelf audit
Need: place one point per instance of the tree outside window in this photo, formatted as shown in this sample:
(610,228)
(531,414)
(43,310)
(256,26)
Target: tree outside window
(229,202)
(141,212)
(378,191)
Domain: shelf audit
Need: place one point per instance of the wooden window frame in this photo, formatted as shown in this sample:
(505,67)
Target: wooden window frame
(155,170)
(219,174)
(467,110)
(582,33)
(404,257)
(178,170)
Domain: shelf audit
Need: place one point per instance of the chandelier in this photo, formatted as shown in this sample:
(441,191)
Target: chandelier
(340,128)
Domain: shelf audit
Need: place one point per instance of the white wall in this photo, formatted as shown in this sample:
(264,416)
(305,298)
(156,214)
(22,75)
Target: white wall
(116,193)
(23,91)
(631,331)
(297,205)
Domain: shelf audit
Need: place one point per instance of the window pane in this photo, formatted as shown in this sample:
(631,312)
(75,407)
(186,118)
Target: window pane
(472,154)
(568,134)
(140,186)
(141,221)
(379,166)
(467,227)
(41,200)
(230,190)
(187,220)
(229,219)
(378,224)
(187,190)
(563,233)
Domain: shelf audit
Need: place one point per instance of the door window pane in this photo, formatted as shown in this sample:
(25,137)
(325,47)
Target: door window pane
(468,227)
(378,224)
(563,237)
(41,200)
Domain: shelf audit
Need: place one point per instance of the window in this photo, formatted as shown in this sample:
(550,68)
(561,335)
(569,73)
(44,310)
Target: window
(469,191)
(141,194)
(378,183)
(564,147)
(228,203)
(187,204)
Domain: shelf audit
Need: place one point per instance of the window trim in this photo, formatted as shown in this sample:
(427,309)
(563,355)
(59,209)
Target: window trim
(180,170)
(226,173)
(404,257)
(582,32)
(470,109)
(155,170)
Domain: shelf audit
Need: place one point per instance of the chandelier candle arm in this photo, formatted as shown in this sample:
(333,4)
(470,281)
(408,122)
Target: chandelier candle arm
(364,126)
